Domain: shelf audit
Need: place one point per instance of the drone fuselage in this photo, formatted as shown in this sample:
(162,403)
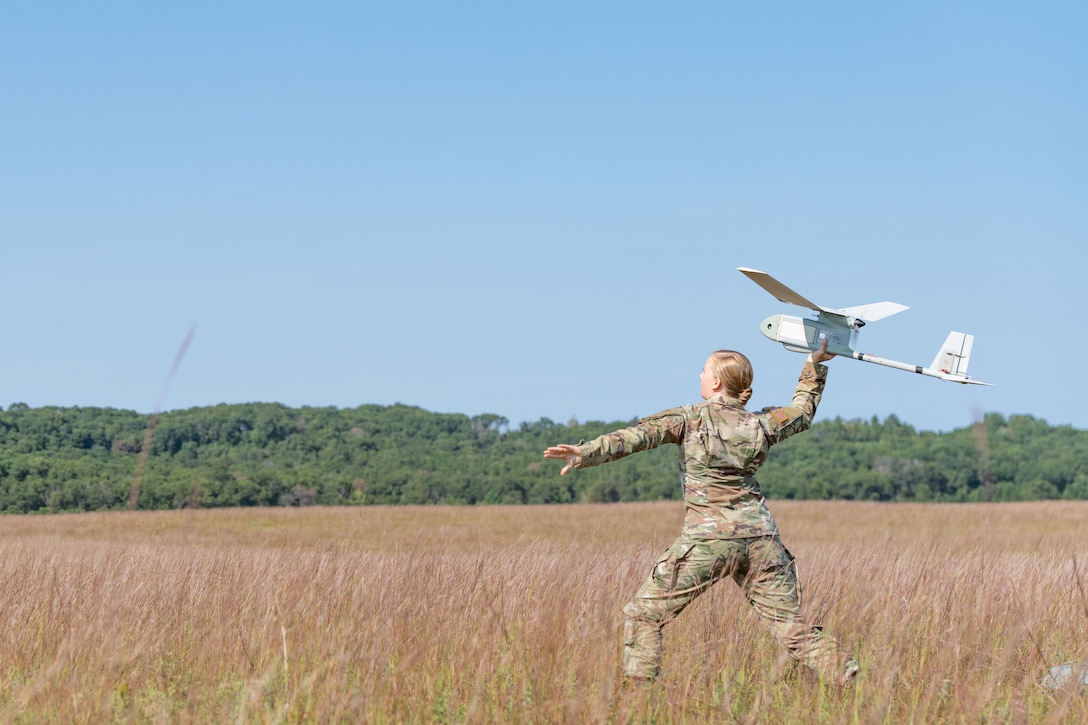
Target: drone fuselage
(800,334)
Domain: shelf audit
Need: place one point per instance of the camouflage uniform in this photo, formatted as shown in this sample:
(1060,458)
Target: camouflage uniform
(728,529)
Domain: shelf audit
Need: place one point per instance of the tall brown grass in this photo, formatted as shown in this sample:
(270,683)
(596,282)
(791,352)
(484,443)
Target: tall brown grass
(512,614)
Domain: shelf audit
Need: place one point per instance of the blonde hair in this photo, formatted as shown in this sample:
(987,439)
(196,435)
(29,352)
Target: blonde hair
(734,371)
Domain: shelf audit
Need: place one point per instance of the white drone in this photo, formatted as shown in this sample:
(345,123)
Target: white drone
(839,326)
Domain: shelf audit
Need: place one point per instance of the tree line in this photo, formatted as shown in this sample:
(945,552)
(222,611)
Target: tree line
(55,459)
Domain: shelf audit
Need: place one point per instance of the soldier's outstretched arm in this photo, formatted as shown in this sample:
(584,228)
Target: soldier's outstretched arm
(781,423)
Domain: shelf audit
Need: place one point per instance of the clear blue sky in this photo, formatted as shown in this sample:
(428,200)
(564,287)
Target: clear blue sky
(537,209)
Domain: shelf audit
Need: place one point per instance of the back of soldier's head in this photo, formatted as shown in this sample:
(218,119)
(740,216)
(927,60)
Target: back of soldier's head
(734,371)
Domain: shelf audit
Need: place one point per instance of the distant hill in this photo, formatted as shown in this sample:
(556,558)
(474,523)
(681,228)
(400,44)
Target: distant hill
(266,454)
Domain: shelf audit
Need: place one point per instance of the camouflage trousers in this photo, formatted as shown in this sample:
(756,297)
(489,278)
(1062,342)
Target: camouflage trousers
(765,571)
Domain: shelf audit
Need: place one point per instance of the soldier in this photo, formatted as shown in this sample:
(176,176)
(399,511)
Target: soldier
(728,529)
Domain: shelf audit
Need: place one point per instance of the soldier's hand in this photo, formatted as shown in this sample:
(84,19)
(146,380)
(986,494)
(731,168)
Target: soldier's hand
(821,355)
(564,452)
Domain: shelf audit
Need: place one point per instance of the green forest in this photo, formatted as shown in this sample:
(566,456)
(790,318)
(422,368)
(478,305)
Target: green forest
(55,459)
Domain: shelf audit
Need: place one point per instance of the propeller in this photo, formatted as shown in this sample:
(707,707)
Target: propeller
(856,323)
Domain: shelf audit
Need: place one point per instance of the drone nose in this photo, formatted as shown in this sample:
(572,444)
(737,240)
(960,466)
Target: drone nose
(769,327)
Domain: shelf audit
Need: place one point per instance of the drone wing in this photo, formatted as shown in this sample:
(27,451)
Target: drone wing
(781,292)
(870,313)
(875,311)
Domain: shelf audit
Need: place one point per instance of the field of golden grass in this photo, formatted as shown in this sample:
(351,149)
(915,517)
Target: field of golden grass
(512,615)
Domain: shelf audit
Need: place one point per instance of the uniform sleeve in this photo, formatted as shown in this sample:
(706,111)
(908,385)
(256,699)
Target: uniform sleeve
(781,423)
(656,430)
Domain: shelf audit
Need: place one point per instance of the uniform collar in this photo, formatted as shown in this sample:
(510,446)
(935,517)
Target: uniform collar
(725,399)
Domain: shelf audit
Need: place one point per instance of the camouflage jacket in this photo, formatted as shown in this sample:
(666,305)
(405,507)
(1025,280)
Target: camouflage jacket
(721,445)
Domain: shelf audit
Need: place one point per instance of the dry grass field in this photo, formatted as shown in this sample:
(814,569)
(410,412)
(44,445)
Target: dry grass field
(512,615)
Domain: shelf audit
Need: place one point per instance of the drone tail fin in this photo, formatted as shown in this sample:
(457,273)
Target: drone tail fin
(954,354)
(951,361)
